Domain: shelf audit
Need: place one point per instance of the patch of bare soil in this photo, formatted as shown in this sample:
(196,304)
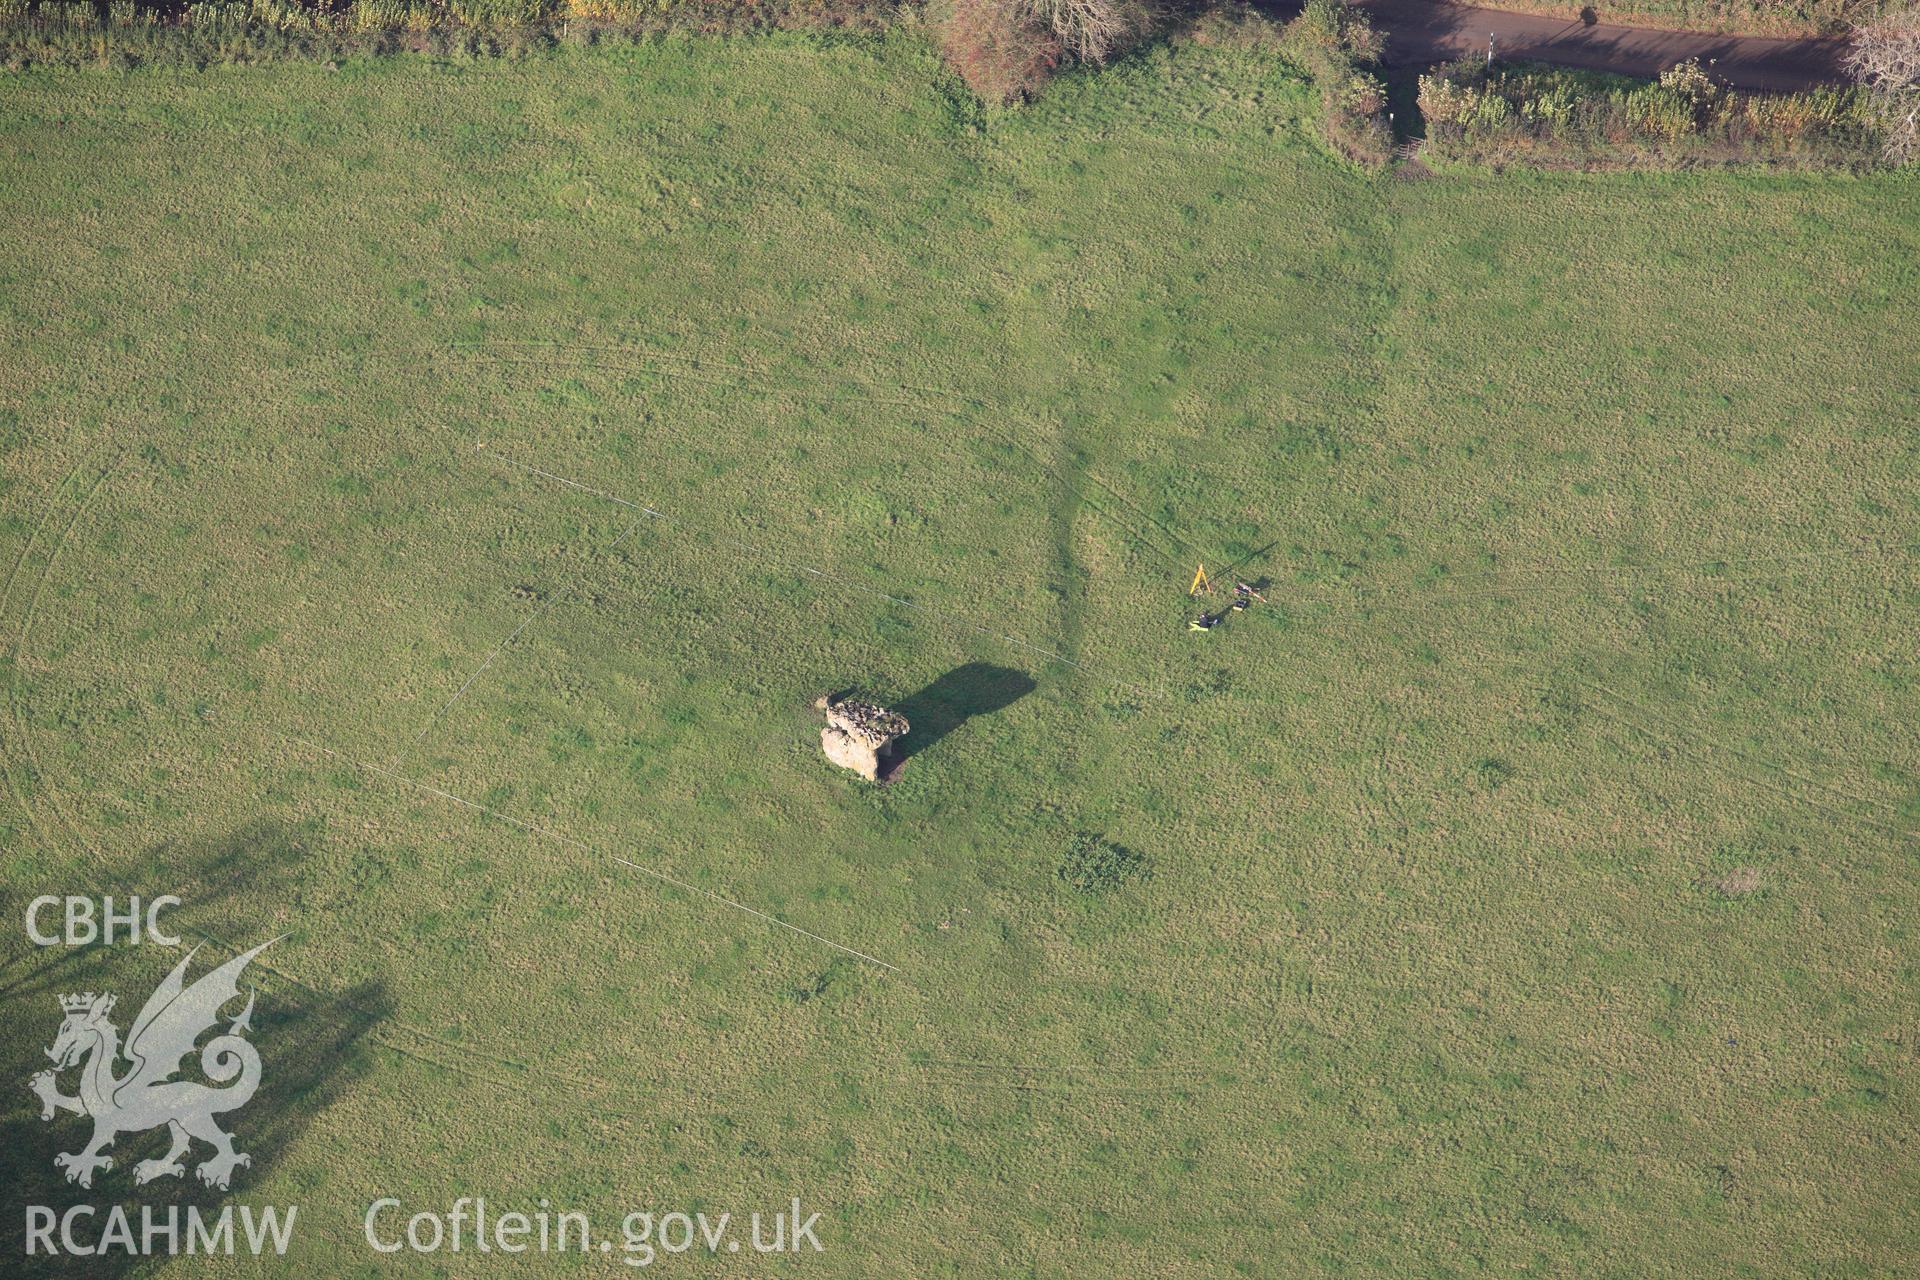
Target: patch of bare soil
(1741,882)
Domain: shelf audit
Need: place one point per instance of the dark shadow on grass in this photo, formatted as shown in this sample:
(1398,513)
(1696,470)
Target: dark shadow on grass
(976,689)
(1229,575)
(313,1046)
(227,884)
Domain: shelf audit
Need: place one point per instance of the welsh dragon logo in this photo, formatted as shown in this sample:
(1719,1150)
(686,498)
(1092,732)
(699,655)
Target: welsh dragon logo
(146,1096)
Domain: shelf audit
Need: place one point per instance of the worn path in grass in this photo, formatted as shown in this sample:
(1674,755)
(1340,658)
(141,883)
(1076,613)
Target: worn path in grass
(1420,32)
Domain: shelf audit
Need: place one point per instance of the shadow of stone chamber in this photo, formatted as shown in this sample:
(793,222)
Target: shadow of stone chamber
(976,689)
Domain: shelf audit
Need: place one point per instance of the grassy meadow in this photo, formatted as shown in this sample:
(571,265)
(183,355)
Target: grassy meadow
(1528,890)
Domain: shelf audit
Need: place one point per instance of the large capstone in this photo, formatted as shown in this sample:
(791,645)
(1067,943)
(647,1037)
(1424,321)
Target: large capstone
(859,735)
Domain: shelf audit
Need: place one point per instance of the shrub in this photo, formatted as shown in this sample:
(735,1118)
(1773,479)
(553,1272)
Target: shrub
(497,13)
(1333,28)
(1655,112)
(1690,80)
(1001,51)
(198,32)
(1095,864)
(1885,62)
(610,10)
(1332,42)
(1086,30)
(1233,24)
(283,15)
(70,17)
(1543,115)
(1007,49)
(378,15)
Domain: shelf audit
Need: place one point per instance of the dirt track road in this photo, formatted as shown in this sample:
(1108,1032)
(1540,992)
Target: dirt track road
(1423,31)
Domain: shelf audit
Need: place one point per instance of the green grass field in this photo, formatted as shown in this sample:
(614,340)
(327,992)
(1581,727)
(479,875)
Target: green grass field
(1529,890)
